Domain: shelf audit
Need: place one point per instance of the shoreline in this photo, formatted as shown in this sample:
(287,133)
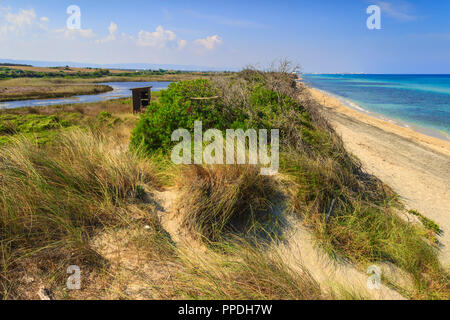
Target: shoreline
(416,166)
(408,131)
(420,129)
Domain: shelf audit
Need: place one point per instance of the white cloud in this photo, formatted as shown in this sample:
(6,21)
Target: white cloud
(112,29)
(112,33)
(28,36)
(17,23)
(160,38)
(26,23)
(21,23)
(43,23)
(209,43)
(182,44)
(75,33)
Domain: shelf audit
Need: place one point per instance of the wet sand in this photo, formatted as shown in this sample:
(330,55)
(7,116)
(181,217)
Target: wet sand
(415,165)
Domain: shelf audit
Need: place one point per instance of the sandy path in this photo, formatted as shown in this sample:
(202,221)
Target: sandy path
(335,276)
(416,166)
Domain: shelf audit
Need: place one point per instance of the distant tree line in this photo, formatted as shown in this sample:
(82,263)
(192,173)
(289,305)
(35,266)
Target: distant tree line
(10,73)
(15,65)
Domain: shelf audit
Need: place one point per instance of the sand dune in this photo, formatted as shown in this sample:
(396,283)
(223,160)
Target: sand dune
(415,165)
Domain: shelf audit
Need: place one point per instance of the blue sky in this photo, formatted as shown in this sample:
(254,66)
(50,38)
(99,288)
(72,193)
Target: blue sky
(320,35)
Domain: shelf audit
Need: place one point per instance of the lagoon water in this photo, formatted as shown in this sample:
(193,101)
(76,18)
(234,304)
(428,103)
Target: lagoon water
(422,101)
(121,90)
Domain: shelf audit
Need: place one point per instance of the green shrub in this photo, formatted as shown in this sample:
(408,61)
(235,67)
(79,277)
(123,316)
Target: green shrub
(104,115)
(259,108)
(176,109)
(427,223)
(11,124)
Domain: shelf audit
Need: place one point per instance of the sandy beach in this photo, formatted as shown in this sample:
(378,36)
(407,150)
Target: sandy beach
(415,165)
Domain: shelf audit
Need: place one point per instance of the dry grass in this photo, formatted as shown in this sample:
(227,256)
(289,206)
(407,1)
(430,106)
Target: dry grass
(242,271)
(145,264)
(52,199)
(219,198)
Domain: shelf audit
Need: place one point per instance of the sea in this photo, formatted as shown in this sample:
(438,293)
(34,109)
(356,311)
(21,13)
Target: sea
(421,102)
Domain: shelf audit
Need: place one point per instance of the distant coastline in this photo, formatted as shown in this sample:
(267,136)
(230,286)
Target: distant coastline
(418,102)
(403,124)
(428,138)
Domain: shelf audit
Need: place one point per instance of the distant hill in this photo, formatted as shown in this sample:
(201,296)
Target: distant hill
(127,66)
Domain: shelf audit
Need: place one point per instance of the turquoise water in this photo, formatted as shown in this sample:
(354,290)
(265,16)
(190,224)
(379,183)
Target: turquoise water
(120,90)
(419,100)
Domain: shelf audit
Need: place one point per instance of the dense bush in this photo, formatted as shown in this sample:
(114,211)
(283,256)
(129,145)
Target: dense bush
(256,107)
(176,109)
(245,100)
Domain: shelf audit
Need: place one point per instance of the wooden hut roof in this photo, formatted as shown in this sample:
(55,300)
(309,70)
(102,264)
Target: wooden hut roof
(142,88)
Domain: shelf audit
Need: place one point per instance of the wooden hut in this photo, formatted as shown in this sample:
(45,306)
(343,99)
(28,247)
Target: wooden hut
(141,98)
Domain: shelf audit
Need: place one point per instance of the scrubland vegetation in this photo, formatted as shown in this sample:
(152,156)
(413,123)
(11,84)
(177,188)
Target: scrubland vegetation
(92,185)
(11,71)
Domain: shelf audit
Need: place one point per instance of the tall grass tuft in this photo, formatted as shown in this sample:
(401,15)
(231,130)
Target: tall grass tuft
(219,198)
